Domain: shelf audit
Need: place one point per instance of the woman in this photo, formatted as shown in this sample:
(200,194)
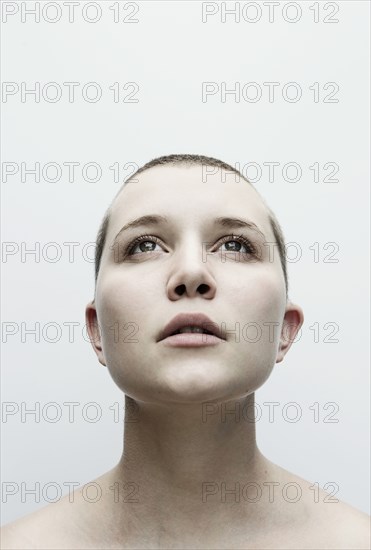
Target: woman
(190,314)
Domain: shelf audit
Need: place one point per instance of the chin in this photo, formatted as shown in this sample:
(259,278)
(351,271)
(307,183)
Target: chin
(198,385)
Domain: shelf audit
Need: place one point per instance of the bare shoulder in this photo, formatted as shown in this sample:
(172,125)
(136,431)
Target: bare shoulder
(331,523)
(348,526)
(34,530)
(57,526)
(72,523)
(20,533)
(311,518)
(13,536)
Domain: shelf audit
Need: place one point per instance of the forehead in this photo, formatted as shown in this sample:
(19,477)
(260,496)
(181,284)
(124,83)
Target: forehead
(189,195)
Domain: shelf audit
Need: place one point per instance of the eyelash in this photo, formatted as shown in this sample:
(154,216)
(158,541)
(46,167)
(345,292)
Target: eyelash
(227,238)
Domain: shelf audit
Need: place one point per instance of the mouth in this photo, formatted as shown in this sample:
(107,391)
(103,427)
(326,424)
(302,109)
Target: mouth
(191,327)
(192,330)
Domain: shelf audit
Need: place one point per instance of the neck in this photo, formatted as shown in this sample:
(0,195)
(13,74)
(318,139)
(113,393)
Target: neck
(183,463)
(190,441)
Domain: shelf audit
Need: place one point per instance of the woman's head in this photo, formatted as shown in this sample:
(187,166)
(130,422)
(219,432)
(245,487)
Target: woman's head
(190,260)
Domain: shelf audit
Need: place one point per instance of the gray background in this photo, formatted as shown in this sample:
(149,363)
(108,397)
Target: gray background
(169,53)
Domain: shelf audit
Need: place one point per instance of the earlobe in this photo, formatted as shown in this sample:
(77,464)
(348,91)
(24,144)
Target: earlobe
(292,322)
(94,331)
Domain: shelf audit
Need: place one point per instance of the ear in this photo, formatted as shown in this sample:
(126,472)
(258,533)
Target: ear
(293,320)
(94,331)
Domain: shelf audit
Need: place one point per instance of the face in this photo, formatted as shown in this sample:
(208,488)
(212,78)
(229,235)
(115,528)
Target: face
(190,265)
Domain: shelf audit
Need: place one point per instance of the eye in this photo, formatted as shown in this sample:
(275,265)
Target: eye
(146,243)
(143,239)
(250,249)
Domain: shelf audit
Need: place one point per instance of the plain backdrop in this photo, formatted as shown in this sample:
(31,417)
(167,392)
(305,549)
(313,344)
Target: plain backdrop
(168,54)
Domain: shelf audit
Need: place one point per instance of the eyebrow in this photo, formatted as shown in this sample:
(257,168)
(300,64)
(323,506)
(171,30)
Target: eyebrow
(223,221)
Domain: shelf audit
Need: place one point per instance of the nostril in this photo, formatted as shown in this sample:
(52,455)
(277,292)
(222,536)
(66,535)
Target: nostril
(180,290)
(203,288)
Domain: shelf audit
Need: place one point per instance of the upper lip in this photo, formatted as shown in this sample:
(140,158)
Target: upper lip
(191,319)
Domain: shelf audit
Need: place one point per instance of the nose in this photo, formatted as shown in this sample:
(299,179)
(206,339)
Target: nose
(190,273)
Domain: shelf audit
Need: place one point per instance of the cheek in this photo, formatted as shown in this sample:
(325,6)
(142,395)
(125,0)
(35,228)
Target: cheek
(261,307)
(124,303)
(123,293)
(262,291)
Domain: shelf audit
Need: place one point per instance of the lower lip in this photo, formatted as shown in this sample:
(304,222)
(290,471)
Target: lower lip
(191,340)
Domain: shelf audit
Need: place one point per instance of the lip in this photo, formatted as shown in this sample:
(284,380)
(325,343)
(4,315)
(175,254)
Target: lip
(191,340)
(191,319)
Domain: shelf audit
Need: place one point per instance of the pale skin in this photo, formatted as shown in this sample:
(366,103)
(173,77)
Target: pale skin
(171,450)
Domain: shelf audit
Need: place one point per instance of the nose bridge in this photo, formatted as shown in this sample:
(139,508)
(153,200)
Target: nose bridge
(190,271)
(190,250)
